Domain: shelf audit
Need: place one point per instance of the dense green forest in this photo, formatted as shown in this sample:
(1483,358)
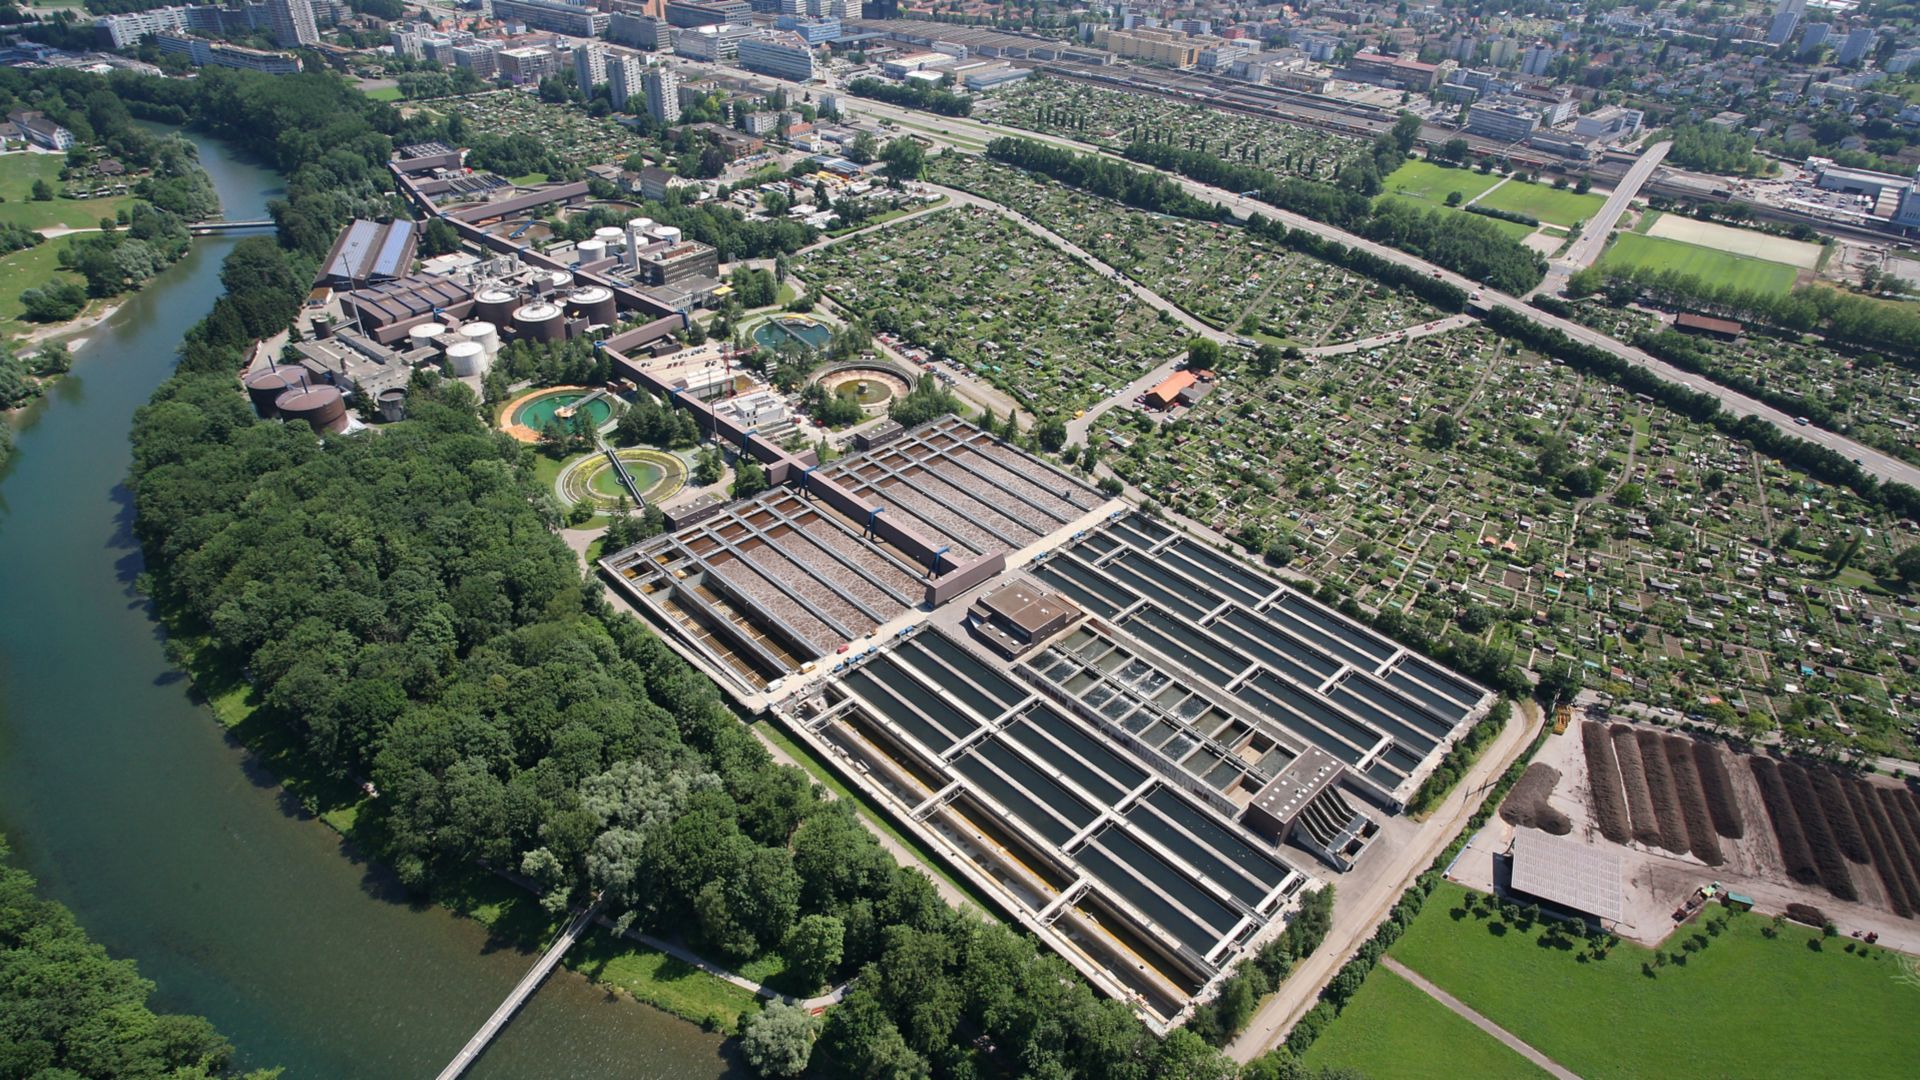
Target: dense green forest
(1710,149)
(401,602)
(70,1011)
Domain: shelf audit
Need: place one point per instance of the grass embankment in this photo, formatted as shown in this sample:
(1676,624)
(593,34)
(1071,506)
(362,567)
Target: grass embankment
(1722,268)
(1391,1030)
(1745,1005)
(512,916)
(28,269)
(17,174)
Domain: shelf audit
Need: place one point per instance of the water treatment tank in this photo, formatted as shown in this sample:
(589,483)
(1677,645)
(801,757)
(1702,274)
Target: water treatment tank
(393,404)
(467,358)
(590,251)
(640,225)
(560,280)
(265,387)
(484,334)
(431,334)
(611,235)
(666,232)
(593,303)
(322,407)
(494,304)
(539,321)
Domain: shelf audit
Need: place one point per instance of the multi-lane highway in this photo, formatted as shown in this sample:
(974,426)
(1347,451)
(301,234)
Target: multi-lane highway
(1593,235)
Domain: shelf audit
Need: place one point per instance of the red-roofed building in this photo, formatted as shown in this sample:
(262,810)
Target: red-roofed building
(1168,392)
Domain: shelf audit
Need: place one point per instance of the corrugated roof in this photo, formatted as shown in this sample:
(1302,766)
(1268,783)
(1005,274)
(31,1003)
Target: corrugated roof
(351,250)
(395,250)
(1569,873)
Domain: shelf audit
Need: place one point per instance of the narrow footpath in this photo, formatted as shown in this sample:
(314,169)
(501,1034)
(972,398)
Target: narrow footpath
(1513,1042)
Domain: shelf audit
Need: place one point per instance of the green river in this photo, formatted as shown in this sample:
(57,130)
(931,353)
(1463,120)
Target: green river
(131,806)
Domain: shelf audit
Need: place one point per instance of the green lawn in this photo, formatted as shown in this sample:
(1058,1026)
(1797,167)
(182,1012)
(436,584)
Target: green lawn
(1513,229)
(1542,201)
(17,174)
(1430,183)
(382,93)
(1393,1031)
(1743,1007)
(25,270)
(1758,275)
(529,179)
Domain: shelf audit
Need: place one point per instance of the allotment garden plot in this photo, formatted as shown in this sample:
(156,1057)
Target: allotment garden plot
(1554,515)
(567,131)
(1870,396)
(1218,273)
(1116,118)
(979,290)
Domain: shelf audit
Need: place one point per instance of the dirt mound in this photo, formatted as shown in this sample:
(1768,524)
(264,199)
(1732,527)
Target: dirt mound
(1693,800)
(1603,782)
(1794,852)
(1633,774)
(1660,787)
(1711,762)
(1526,804)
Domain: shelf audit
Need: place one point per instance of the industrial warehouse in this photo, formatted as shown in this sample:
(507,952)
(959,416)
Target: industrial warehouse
(1127,739)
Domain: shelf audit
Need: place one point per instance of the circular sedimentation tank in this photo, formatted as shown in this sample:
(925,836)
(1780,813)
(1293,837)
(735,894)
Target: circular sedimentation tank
(322,407)
(611,235)
(393,404)
(593,303)
(669,233)
(265,387)
(539,321)
(494,304)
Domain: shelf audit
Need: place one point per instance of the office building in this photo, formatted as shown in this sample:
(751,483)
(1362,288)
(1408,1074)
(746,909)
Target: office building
(781,54)
(589,67)
(481,58)
(1504,119)
(811,30)
(663,94)
(1608,123)
(1858,44)
(553,16)
(690,13)
(292,22)
(639,31)
(710,43)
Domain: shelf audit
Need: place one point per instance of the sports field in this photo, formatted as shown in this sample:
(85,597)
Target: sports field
(1394,1031)
(1754,245)
(1743,1006)
(1430,183)
(1551,204)
(1758,275)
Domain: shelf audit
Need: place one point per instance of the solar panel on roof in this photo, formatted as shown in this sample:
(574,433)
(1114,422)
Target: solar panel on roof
(393,250)
(353,249)
(1567,872)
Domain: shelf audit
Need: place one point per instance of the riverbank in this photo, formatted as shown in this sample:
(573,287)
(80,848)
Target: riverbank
(511,915)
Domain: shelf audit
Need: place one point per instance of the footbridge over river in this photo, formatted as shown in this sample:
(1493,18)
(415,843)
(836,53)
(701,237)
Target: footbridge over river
(521,992)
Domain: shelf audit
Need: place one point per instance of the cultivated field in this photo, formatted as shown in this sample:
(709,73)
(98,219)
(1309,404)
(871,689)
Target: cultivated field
(981,291)
(1542,201)
(1753,245)
(1734,1004)
(1115,118)
(1392,1030)
(1219,274)
(1720,267)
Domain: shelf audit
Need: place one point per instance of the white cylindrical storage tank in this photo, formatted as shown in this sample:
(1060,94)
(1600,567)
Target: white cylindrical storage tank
(467,358)
(590,251)
(539,321)
(666,232)
(426,334)
(484,334)
(640,225)
(610,235)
